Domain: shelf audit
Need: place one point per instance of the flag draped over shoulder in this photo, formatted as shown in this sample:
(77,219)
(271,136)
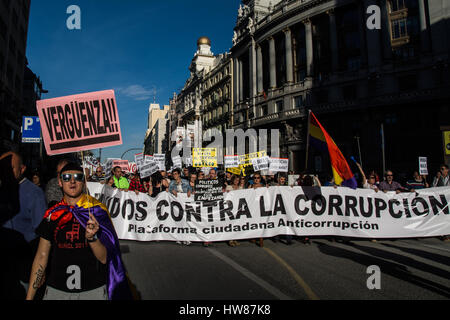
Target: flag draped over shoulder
(117,280)
(321,140)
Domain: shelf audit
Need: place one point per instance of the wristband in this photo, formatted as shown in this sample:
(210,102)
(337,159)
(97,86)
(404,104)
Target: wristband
(94,238)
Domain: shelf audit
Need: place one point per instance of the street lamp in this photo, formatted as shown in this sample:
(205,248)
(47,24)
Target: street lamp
(140,149)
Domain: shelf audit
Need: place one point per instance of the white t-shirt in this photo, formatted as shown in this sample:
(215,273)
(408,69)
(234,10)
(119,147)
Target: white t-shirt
(370,186)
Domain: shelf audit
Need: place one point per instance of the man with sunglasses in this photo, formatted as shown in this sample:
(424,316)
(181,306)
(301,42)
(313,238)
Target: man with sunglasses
(85,256)
(98,175)
(443,180)
(389,184)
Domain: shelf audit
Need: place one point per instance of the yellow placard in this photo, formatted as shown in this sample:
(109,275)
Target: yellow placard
(204,157)
(236,171)
(447,142)
(246,159)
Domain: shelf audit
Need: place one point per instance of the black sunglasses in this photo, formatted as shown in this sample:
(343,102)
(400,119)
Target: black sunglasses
(66,177)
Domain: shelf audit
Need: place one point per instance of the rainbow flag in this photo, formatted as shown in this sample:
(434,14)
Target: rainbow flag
(321,140)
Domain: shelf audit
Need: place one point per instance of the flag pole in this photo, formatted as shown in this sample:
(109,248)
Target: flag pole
(307,140)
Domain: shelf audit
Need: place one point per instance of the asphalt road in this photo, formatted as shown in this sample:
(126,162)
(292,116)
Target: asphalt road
(325,270)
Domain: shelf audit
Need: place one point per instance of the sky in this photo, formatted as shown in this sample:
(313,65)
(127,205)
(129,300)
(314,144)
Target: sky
(139,48)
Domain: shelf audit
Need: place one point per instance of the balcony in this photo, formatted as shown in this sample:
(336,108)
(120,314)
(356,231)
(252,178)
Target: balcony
(278,116)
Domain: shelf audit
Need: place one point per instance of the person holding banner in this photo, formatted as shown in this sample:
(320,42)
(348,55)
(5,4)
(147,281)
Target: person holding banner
(192,179)
(417,182)
(98,175)
(389,184)
(136,184)
(235,185)
(257,182)
(179,185)
(120,181)
(442,178)
(86,263)
(370,183)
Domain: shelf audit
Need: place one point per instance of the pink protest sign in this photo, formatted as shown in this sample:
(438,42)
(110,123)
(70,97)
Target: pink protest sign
(79,122)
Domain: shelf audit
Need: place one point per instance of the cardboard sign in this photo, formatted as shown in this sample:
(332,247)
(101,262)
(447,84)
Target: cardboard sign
(231,162)
(148,159)
(177,162)
(208,190)
(204,157)
(236,171)
(132,167)
(261,163)
(139,159)
(279,165)
(160,158)
(246,159)
(423,169)
(79,122)
(123,164)
(447,142)
(31,130)
(148,169)
(109,166)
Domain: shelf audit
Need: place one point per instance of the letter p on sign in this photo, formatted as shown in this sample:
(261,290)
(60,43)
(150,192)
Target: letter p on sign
(28,123)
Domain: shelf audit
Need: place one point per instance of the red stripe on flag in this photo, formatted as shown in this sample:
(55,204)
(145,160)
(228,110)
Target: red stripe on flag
(338,161)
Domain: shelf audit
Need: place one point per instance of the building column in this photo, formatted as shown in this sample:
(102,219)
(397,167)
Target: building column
(272,57)
(362,34)
(252,62)
(373,43)
(386,35)
(424,31)
(309,47)
(333,41)
(289,61)
(235,80)
(259,68)
(241,82)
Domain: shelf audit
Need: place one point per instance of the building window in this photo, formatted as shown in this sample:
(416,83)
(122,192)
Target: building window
(349,92)
(349,40)
(399,28)
(264,111)
(279,106)
(3,28)
(298,102)
(405,28)
(407,83)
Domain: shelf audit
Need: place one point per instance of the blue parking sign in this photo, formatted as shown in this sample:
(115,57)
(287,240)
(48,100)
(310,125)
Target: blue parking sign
(31,130)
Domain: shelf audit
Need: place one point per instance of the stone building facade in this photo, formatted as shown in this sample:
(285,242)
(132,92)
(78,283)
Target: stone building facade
(293,56)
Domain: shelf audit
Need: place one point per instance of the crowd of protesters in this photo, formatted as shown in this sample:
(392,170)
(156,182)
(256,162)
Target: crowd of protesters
(26,196)
(184,180)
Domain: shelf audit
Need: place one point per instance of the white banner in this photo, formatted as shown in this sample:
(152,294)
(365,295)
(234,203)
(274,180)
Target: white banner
(266,212)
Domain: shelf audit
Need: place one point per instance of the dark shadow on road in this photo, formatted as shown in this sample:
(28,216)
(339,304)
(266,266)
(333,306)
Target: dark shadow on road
(390,268)
(402,260)
(420,253)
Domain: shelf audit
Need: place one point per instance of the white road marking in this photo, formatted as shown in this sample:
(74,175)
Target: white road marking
(271,289)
